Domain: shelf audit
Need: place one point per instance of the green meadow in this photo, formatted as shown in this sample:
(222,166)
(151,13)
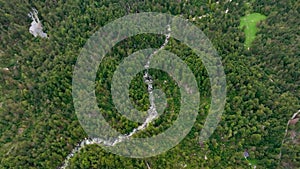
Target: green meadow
(249,22)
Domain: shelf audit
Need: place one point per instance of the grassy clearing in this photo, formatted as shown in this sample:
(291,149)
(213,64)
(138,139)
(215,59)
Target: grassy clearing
(249,22)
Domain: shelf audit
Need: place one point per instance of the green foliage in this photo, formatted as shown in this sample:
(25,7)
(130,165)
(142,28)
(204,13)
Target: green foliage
(38,125)
(248,23)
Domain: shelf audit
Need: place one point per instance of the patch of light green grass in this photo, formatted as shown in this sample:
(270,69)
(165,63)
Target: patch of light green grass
(249,22)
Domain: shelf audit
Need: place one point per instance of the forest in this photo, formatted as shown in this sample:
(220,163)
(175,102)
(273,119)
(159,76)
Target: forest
(258,129)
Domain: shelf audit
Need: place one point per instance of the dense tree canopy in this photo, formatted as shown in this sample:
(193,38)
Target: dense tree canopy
(38,126)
